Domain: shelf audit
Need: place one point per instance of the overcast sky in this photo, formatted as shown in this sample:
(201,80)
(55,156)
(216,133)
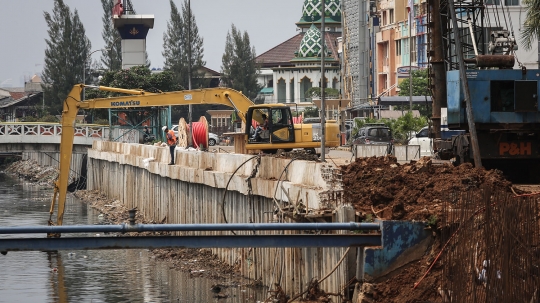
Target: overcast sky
(23,29)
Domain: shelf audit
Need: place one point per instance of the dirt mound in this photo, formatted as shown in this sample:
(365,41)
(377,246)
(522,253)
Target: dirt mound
(381,187)
(31,171)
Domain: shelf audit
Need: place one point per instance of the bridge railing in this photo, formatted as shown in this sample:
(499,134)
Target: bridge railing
(50,133)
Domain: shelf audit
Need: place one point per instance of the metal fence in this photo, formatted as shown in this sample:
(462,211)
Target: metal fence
(492,248)
(401,152)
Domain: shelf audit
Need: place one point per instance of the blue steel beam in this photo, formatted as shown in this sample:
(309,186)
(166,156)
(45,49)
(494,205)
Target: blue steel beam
(353,226)
(51,244)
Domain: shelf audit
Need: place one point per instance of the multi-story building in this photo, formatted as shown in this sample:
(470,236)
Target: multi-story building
(399,48)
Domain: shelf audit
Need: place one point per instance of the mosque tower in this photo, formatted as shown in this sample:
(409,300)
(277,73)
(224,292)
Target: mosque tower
(293,67)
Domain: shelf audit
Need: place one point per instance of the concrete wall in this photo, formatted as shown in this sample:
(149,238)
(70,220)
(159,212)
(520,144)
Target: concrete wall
(192,191)
(403,242)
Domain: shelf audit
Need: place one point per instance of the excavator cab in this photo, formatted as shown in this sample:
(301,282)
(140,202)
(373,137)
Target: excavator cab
(279,127)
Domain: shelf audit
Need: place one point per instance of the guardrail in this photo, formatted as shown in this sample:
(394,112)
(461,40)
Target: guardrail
(50,133)
(401,152)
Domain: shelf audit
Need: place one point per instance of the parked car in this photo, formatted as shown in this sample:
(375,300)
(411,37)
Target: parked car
(374,133)
(422,139)
(213,139)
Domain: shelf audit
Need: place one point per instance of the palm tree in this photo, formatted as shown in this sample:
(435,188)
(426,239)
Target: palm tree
(531,26)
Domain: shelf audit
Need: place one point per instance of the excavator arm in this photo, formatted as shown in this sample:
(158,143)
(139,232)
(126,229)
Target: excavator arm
(136,98)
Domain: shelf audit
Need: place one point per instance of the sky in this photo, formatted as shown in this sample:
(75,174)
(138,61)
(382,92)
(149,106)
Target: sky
(23,29)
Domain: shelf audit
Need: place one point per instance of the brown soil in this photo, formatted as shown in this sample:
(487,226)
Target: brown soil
(380,187)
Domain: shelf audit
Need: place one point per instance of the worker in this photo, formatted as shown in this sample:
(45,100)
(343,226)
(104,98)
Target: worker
(171,141)
(260,127)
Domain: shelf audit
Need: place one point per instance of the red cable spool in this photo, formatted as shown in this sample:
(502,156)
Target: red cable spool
(199,135)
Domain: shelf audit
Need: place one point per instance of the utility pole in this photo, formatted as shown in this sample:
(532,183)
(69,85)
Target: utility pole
(190,118)
(465,85)
(323,105)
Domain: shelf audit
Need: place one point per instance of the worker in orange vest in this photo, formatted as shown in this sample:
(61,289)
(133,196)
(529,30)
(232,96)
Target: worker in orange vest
(171,141)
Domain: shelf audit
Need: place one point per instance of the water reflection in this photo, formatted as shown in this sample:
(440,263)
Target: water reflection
(89,275)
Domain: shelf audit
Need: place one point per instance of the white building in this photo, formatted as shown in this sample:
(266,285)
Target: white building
(289,69)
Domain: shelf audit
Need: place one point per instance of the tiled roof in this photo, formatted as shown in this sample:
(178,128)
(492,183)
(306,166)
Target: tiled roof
(17,95)
(280,54)
(283,53)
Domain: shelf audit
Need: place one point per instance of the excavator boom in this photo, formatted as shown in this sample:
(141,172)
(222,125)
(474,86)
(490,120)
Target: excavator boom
(136,98)
(284,135)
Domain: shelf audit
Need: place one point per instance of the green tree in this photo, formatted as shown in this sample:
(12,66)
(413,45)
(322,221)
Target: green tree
(183,47)
(420,87)
(65,54)
(420,84)
(138,77)
(111,59)
(311,112)
(239,70)
(531,27)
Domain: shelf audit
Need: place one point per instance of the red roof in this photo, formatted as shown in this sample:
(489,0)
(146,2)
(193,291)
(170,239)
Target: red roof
(17,95)
(283,53)
(280,54)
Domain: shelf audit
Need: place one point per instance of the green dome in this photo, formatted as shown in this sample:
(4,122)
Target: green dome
(311,11)
(311,43)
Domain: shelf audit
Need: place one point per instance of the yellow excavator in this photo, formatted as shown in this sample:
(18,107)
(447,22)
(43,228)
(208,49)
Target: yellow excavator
(279,132)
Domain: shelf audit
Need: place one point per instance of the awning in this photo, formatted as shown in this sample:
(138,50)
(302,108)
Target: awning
(267,91)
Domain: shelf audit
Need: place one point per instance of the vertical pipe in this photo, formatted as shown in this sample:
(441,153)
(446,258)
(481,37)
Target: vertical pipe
(465,84)
(437,65)
(323,105)
(110,125)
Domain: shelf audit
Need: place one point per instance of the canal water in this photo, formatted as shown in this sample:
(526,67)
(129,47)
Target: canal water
(90,275)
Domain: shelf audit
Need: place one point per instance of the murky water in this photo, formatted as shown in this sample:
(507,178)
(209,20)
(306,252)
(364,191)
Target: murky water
(89,275)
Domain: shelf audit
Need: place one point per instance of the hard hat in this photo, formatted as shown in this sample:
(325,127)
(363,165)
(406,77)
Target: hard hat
(164,128)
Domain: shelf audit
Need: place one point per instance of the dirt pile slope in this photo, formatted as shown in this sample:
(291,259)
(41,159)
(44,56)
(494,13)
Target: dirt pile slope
(381,187)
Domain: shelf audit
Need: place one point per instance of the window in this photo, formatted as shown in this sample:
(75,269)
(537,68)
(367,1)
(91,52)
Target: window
(413,55)
(398,47)
(511,2)
(281,93)
(305,84)
(291,91)
(391,12)
(502,96)
(493,2)
(423,133)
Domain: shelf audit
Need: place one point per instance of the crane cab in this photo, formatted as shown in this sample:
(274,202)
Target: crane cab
(269,124)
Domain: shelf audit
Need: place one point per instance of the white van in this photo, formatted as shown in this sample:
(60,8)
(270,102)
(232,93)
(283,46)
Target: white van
(422,139)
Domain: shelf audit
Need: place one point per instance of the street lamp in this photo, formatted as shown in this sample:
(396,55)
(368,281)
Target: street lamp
(84,67)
